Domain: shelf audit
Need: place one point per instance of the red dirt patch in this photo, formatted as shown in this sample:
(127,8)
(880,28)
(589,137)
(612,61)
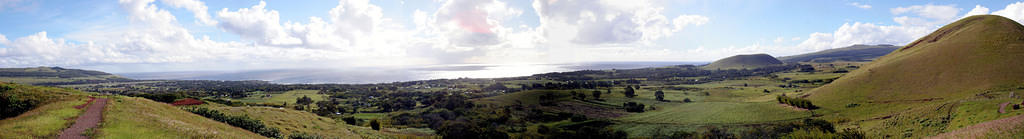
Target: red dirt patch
(89,119)
(1002,107)
(86,103)
(187,101)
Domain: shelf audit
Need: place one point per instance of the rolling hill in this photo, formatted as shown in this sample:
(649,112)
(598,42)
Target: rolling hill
(55,75)
(743,62)
(929,85)
(855,53)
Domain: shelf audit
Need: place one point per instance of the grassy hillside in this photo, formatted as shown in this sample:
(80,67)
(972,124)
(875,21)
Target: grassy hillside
(53,110)
(744,62)
(131,117)
(855,53)
(292,121)
(916,90)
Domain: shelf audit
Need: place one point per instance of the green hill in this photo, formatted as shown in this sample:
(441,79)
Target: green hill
(930,85)
(855,53)
(743,62)
(55,76)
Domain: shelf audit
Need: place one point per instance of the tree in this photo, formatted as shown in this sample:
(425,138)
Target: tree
(581,96)
(629,92)
(596,94)
(659,95)
(304,100)
(375,125)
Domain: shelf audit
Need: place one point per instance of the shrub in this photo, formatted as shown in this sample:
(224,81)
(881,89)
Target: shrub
(241,121)
(349,120)
(796,102)
(578,118)
(303,135)
(633,107)
(375,124)
(14,106)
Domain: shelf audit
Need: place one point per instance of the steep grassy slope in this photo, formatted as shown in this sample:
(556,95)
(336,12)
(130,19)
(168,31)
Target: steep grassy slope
(855,53)
(54,109)
(744,61)
(131,117)
(926,79)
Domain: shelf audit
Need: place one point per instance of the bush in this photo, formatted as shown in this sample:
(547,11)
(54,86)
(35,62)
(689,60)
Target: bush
(375,124)
(633,107)
(578,118)
(349,120)
(13,105)
(303,135)
(687,100)
(796,102)
(241,121)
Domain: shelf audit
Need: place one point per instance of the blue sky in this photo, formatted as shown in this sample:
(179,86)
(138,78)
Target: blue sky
(178,35)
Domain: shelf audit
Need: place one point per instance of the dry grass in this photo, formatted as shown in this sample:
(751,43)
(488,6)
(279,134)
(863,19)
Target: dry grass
(130,117)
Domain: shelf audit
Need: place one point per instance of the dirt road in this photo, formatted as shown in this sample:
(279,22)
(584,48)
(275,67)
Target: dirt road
(89,119)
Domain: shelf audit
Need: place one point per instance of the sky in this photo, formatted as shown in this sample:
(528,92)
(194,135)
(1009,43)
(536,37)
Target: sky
(196,35)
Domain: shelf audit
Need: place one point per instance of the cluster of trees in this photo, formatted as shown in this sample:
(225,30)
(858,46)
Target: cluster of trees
(807,128)
(304,135)
(571,84)
(796,102)
(548,99)
(578,96)
(630,92)
(659,95)
(12,104)
(240,121)
(633,107)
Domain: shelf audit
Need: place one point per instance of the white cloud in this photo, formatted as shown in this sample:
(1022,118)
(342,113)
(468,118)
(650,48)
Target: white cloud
(3,39)
(257,24)
(608,22)
(198,8)
(1013,11)
(859,5)
(356,33)
(978,10)
(937,13)
(913,22)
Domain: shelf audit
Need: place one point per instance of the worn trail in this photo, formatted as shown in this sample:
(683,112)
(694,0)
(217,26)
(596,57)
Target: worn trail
(89,119)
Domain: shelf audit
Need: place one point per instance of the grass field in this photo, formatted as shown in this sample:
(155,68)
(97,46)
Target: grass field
(292,121)
(282,98)
(707,113)
(130,117)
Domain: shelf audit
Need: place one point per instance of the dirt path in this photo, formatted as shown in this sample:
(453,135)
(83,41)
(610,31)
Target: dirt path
(87,120)
(1002,107)
(981,130)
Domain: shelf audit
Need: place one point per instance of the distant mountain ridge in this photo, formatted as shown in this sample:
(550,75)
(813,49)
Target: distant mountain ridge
(55,75)
(854,53)
(744,62)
